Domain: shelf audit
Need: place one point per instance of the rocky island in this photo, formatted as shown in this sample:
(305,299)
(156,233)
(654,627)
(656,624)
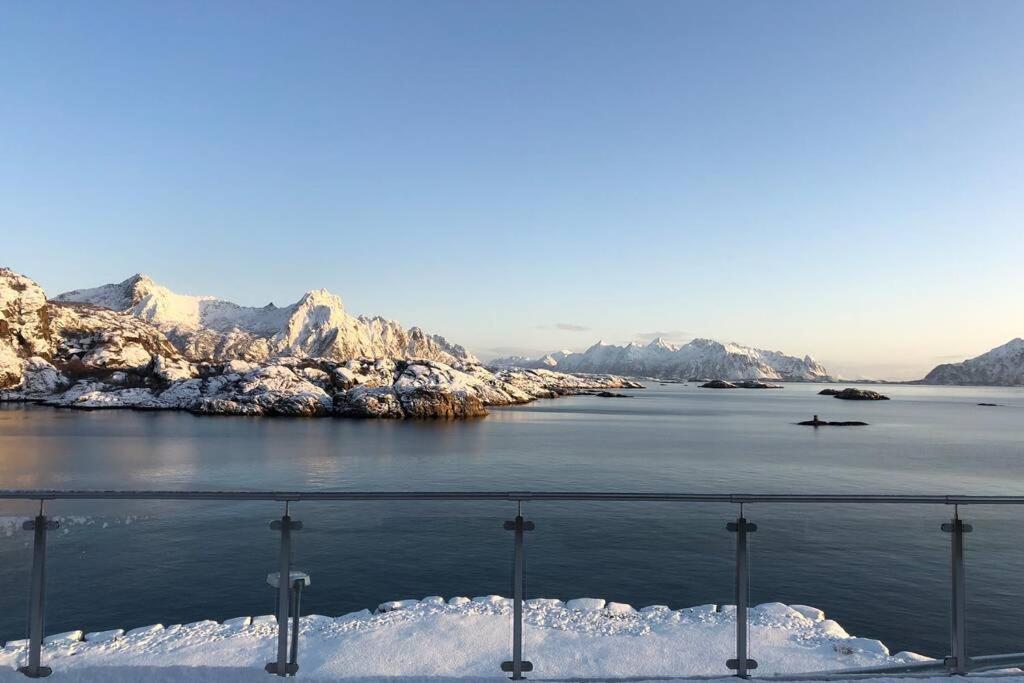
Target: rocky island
(742,384)
(136,344)
(854,394)
(817,422)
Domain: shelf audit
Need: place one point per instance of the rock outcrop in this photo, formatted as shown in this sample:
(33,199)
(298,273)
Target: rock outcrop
(854,394)
(24,325)
(1002,366)
(87,354)
(698,358)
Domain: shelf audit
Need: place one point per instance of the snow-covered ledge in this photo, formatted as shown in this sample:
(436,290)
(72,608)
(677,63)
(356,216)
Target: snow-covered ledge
(464,637)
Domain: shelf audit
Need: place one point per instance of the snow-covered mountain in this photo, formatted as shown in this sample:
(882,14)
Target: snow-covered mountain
(1002,366)
(698,358)
(106,348)
(316,326)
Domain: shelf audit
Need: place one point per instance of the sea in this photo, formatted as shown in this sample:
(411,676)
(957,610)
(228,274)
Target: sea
(882,571)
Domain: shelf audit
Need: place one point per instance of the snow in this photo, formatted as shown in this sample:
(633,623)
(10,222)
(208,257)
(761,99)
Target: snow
(464,637)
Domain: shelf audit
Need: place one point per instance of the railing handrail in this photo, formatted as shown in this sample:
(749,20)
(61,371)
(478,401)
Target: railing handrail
(519,496)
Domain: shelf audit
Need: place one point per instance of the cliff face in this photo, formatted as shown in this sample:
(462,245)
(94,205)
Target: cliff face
(129,346)
(24,325)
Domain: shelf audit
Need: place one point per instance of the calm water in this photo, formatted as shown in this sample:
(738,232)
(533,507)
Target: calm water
(882,572)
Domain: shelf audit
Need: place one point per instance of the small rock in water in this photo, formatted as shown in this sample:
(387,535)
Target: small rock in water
(816,422)
(718,384)
(853,394)
(991,405)
(611,394)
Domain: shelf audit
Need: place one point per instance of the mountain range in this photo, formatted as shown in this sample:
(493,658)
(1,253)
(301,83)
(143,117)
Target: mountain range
(699,358)
(316,326)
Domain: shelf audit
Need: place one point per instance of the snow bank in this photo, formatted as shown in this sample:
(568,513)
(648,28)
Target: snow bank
(464,637)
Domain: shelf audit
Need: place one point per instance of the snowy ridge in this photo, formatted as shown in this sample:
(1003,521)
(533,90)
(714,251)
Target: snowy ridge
(1002,366)
(587,637)
(316,326)
(699,358)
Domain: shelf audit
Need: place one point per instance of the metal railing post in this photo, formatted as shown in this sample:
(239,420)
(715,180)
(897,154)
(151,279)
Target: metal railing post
(40,525)
(957,663)
(282,667)
(741,665)
(517,666)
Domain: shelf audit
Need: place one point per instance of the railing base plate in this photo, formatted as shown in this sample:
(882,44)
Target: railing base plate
(734,664)
(40,672)
(289,669)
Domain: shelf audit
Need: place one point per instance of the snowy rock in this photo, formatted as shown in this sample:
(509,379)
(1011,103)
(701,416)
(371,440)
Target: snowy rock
(104,636)
(316,376)
(777,611)
(700,610)
(24,325)
(144,631)
(619,608)
(832,629)
(238,622)
(366,402)
(585,604)
(655,609)
(40,378)
(395,605)
(315,621)
(172,369)
(60,638)
(867,645)
(433,600)
(16,644)
(812,613)
(457,601)
(543,603)
(354,616)
(495,600)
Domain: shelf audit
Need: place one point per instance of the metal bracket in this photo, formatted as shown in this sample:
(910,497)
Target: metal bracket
(734,664)
(949,527)
(749,527)
(290,668)
(527,526)
(507,666)
(294,525)
(30,525)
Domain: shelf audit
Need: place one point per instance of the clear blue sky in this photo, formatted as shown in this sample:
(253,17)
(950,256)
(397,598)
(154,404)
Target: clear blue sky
(844,179)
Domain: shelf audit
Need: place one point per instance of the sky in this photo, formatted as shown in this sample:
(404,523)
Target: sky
(840,179)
